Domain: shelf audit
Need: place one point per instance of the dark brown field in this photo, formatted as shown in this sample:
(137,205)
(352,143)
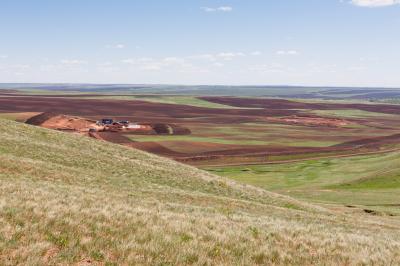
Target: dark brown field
(281,104)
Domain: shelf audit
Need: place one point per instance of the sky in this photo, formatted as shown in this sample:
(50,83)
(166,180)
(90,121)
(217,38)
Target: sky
(209,42)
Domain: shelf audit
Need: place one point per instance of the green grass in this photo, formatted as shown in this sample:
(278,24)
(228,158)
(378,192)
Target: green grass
(17,116)
(385,179)
(184,100)
(67,199)
(9,116)
(233,140)
(190,138)
(388,101)
(343,180)
(290,135)
(349,113)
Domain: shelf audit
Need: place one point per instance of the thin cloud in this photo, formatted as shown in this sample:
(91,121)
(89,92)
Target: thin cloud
(218,56)
(256,53)
(218,9)
(229,56)
(374,3)
(116,46)
(288,52)
(153,64)
(73,62)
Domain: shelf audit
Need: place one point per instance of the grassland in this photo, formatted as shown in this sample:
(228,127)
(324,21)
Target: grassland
(169,99)
(371,181)
(351,113)
(68,199)
(389,101)
(17,116)
(223,140)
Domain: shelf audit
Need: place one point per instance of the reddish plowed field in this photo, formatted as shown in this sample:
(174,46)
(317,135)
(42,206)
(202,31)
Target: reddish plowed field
(156,148)
(139,109)
(310,121)
(378,141)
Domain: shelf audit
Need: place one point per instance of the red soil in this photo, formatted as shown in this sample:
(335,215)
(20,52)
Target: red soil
(141,130)
(154,147)
(39,119)
(310,121)
(62,122)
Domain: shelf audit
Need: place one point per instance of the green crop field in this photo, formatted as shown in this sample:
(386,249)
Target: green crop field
(234,140)
(184,100)
(349,113)
(67,199)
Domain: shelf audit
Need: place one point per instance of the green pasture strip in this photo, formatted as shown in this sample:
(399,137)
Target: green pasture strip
(183,100)
(362,180)
(332,101)
(389,101)
(234,141)
(349,113)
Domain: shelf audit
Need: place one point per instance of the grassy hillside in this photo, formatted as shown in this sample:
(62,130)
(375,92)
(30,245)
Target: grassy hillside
(369,181)
(68,199)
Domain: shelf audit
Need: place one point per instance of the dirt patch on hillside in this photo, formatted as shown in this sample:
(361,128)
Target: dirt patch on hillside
(310,121)
(39,119)
(62,122)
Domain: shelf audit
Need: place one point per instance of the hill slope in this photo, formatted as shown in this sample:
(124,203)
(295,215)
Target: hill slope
(68,199)
(371,182)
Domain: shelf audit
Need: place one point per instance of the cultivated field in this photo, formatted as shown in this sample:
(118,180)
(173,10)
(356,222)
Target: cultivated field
(230,130)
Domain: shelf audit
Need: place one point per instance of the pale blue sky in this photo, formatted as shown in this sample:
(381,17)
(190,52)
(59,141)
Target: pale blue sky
(296,42)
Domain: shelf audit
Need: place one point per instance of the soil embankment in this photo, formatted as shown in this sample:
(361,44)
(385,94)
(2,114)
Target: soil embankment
(62,122)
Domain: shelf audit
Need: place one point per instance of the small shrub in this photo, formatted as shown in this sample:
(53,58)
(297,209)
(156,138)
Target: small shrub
(61,240)
(254,232)
(185,237)
(291,206)
(215,251)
